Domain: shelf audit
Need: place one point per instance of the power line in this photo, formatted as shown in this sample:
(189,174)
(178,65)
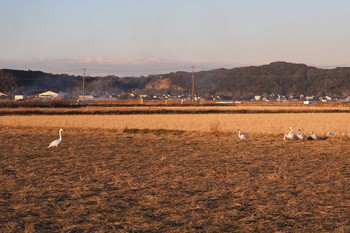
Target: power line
(141,70)
(194,90)
(84,69)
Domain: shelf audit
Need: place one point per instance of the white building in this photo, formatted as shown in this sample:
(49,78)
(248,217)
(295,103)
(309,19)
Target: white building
(3,95)
(81,97)
(48,95)
(308,102)
(19,97)
(281,98)
(329,98)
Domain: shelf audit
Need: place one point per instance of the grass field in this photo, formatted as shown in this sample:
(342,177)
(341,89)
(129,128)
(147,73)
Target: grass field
(173,173)
(250,123)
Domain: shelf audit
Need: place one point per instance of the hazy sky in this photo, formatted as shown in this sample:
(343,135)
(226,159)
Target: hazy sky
(157,36)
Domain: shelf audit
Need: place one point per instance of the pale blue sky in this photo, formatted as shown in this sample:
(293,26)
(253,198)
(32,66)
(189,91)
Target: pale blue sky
(154,36)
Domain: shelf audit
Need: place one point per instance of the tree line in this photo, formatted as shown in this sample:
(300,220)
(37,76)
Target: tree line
(244,82)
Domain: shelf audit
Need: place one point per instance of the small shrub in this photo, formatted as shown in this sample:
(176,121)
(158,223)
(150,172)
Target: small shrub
(215,127)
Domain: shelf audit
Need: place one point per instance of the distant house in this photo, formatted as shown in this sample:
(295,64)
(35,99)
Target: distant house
(310,97)
(19,97)
(86,97)
(3,95)
(257,97)
(281,98)
(48,95)
(272,97)
(309,102)
(329,98)
(322,99)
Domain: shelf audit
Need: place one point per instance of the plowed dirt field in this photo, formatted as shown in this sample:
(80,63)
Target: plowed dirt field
(102,180)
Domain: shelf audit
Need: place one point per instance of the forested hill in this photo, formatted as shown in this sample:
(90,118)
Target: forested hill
(278,78)
(26,81)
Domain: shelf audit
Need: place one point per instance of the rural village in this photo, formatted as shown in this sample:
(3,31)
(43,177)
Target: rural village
(52,95)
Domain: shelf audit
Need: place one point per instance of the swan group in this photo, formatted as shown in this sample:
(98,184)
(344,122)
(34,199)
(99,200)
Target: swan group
(55,143)
(290,135)
(313,136)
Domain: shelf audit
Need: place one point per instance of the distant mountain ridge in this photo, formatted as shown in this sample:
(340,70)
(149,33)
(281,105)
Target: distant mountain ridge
(244,82)
(278,77)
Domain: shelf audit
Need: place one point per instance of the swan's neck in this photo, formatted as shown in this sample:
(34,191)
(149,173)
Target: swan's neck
(60,135)
(239,133)
(291,130)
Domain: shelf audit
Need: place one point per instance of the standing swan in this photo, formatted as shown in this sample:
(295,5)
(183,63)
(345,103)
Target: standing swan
(290,135)
(58,141)
(313,135)
(301,135)
(242,136)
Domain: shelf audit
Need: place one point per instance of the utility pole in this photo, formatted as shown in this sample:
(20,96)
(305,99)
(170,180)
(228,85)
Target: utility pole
(194,91)
(84,69)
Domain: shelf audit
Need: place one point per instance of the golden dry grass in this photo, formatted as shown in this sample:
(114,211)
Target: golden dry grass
(140,181)
(249,123)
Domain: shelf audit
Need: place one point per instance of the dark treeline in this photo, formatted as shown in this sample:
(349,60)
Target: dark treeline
(279,78)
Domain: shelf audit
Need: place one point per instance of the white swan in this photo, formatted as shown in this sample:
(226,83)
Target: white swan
(313,135)
(300,135)
(55,143)
(242,136)
(290,135)
(330,134)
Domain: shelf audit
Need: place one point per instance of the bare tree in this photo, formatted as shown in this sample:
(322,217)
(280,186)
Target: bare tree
(7,81)
(101,86)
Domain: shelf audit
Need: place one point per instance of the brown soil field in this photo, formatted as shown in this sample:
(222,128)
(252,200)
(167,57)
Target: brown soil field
(104,180)
(321,123)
